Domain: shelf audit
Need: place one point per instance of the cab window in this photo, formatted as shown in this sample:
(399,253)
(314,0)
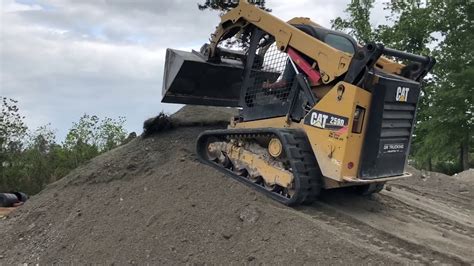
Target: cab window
(339,42)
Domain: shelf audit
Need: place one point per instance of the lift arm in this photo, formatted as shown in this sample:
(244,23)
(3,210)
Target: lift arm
(332,62)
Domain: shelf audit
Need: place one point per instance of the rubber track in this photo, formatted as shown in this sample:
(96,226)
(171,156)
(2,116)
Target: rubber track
(299,154)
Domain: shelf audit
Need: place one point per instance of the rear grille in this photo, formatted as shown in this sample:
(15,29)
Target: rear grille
(389,129)
(397,120)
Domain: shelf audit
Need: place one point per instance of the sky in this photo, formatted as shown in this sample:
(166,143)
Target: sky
(63,58)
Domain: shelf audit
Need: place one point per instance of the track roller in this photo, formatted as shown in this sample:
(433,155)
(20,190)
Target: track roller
(277,162)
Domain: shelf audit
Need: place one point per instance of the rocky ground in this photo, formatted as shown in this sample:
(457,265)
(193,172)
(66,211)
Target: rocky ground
(151,201)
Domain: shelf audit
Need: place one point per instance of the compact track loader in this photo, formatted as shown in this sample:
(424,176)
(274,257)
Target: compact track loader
(317,110)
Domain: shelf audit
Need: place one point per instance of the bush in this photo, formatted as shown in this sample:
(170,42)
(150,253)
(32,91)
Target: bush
(32,159)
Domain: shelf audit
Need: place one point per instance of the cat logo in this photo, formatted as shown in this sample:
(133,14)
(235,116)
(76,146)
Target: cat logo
(402,94)
(325,120)
(318,120)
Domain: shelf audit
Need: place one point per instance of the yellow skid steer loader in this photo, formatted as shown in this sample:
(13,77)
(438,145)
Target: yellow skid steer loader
(316,110)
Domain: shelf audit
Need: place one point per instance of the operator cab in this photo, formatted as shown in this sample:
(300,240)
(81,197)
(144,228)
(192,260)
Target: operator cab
(336,39)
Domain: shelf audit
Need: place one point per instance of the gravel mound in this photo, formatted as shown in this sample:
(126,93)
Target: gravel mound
(151,201)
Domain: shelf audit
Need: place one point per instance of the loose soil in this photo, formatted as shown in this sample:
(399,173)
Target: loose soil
(151,201)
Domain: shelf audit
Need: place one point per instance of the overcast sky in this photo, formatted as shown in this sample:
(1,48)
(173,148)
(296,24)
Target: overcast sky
(64,58)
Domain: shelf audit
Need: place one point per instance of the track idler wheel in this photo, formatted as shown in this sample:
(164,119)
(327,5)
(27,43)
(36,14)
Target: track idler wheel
(275,148)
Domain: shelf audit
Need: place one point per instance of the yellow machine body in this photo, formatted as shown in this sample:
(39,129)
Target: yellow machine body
(317,110)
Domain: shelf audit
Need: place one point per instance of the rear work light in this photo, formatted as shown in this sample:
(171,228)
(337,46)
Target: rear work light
(358,120)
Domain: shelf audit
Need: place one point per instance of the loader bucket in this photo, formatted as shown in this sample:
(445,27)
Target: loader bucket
(190,79)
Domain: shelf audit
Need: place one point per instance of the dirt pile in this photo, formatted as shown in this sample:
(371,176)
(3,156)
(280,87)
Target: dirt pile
(151,201)
(466,176)
(203,116)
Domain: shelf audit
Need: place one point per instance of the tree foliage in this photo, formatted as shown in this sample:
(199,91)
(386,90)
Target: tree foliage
(242,38)
(358,24)
(443,138)
(30,159)
(226,5)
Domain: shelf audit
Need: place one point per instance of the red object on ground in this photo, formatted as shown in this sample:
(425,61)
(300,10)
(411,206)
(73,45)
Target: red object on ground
(312,74)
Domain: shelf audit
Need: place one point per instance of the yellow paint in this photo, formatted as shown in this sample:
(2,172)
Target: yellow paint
(334,151)
(271,174)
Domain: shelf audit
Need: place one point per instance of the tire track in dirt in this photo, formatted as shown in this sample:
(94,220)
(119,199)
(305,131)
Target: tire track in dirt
(432,218)
(377,240)
(451,199)
(432,230)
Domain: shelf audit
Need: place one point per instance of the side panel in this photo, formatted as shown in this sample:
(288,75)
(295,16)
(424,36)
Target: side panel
(329,128)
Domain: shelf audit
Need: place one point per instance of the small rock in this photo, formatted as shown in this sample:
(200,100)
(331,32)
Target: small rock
(250,258)
(373,209)
(226,235)
(182,159)
(388,188)
(249,215)
(1,257)
(132,166)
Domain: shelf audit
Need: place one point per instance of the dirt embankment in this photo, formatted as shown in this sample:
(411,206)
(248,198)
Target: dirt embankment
(151,201)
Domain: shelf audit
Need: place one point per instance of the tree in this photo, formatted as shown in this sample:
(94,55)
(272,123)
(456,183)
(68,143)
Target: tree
(12,132)
(91,136)
(111,133)
(12,126)
(226,5)
(241,39)
(39,161)
(358,23)
(443,136)
(32,159)
(453,105)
